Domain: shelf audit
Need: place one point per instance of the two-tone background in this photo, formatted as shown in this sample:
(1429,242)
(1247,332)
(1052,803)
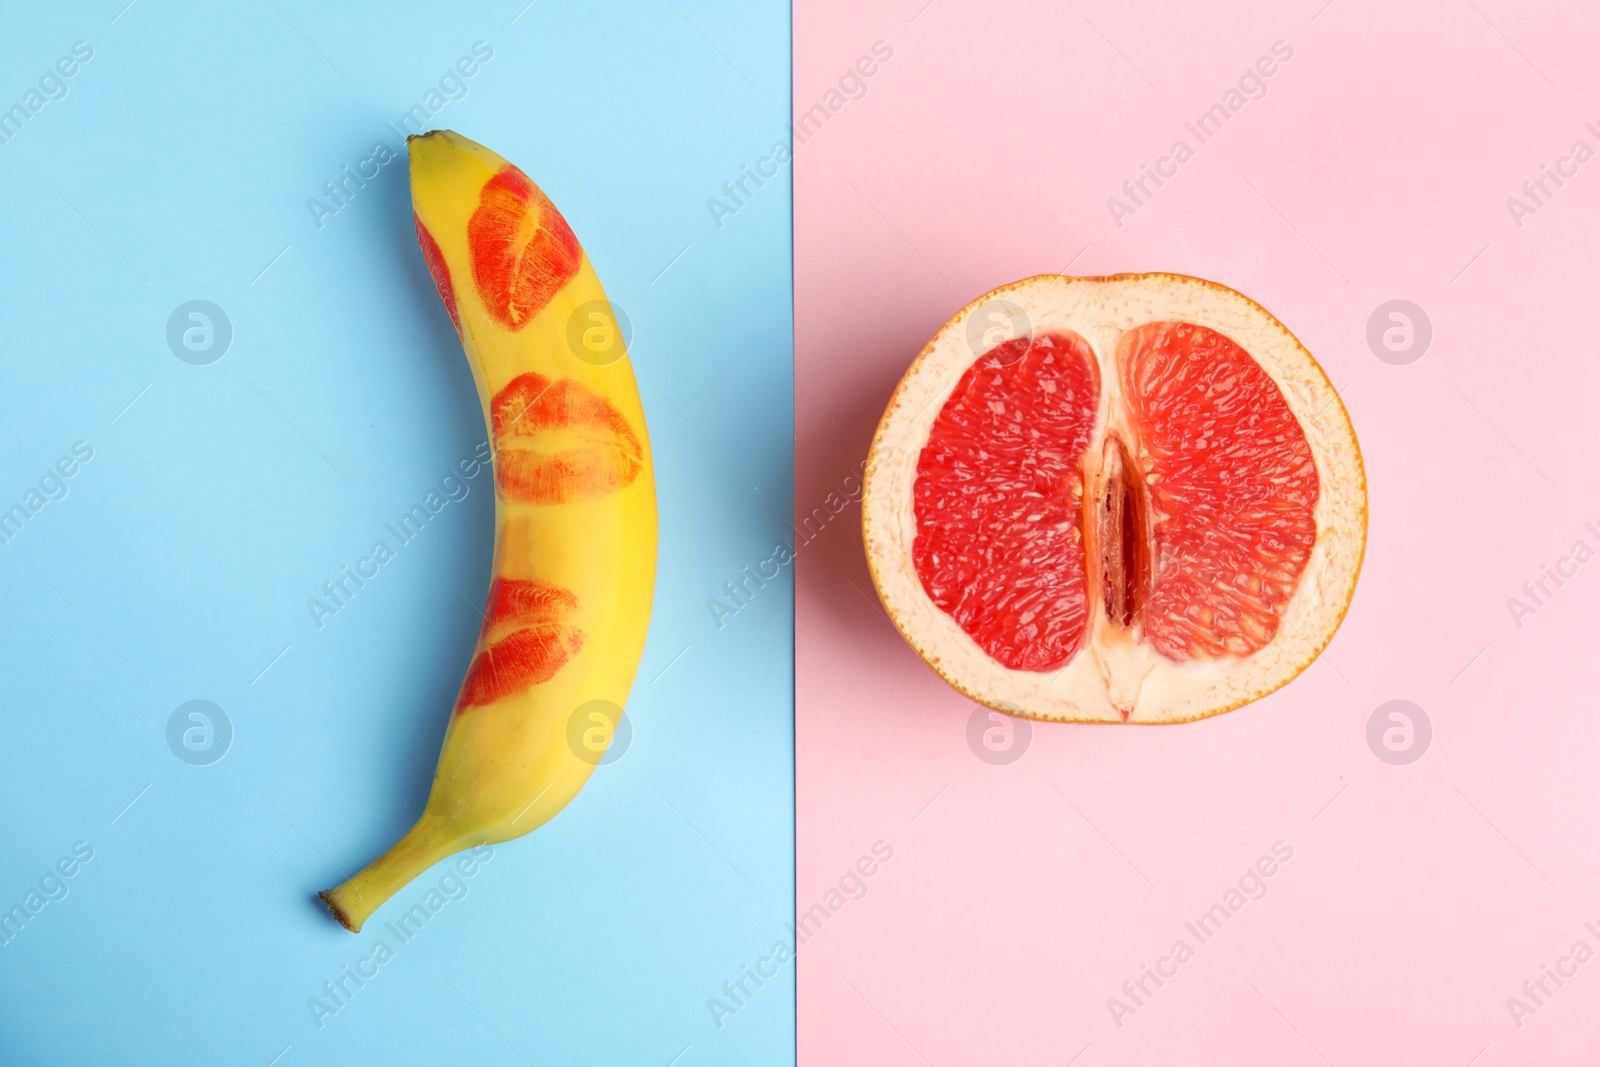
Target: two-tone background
(783,241)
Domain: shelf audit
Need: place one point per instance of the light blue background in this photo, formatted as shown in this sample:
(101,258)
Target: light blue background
(179,565)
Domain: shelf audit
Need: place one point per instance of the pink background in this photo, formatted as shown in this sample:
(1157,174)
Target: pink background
(1021,897)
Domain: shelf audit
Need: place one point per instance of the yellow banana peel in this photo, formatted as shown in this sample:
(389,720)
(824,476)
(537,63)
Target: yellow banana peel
(575,514)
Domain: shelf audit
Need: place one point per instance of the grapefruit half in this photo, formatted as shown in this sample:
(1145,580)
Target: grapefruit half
(1134,498)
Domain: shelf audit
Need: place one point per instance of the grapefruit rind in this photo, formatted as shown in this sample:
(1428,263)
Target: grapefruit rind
(1115,679)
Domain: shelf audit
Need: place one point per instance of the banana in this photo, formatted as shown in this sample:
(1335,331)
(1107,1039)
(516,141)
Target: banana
(575,514)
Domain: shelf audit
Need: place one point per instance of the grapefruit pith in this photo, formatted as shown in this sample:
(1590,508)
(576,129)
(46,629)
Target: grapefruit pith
(1125,499)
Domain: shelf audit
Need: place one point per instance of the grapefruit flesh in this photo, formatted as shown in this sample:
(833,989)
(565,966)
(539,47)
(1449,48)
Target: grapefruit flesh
(999,496)
(1231,484)
(1150,507)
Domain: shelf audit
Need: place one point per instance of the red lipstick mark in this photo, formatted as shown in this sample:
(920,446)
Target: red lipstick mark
(523,251)
(437,268)
(532,637)
(560,441)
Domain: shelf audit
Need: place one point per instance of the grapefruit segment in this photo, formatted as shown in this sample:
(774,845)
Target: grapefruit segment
(999,498)
(1149,508)
(1232,486)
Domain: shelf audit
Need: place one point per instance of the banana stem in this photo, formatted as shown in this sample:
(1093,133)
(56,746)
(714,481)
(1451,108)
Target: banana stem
(422,846)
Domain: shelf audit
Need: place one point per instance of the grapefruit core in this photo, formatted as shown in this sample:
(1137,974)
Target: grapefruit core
(1124,499)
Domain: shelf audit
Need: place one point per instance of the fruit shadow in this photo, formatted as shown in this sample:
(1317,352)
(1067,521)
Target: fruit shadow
(831,575)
